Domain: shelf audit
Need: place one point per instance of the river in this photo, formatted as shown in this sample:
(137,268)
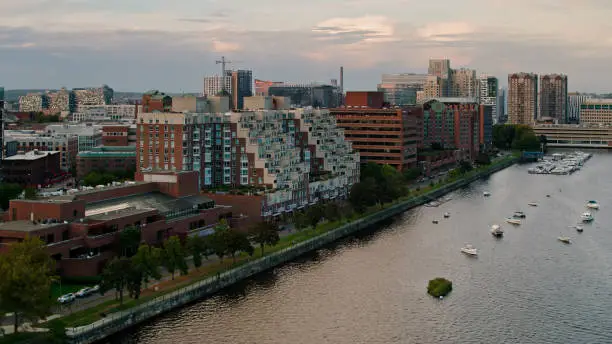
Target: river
(371,288)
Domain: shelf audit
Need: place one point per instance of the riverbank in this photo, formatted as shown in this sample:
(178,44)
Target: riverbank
(136,311)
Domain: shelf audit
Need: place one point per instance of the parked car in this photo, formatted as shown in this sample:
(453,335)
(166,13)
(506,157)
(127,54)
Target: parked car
(95,289)
(64,299)
(83,292)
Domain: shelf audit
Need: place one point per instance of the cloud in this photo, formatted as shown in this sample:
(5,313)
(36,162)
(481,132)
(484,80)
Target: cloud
(368,29)
(446,31)
(224,47)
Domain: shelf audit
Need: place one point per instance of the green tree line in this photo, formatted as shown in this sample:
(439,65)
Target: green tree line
(516,136)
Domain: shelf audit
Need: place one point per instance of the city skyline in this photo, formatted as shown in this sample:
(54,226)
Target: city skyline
(140,46)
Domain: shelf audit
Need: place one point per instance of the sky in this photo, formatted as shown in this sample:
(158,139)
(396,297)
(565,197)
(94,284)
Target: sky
(137,45)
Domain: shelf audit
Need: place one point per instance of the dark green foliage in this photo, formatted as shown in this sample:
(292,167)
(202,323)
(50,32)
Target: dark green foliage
(102,178)
(483,159)
(116,275)
(412,174)
(129,240)
(314,214)
(173,256)
(379,184)
(516,136)
(439,287)
(264,233)
(238,242)
(8,192)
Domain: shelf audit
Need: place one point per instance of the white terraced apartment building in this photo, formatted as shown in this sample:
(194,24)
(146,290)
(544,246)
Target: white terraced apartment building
(300,155)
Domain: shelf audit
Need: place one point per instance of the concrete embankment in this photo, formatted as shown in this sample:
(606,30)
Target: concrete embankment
(119,321)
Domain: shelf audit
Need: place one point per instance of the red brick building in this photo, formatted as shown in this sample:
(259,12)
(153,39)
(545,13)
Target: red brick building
(156,101)
(115,135)
(81,229)
(452,123)
(32,169)
(107,159)
(382,135)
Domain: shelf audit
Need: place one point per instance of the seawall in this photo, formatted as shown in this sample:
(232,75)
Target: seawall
(119,321)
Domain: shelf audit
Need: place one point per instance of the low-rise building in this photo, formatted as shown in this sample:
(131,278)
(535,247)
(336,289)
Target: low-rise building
(29,140)
(106,159)
(115,135)
(573,135)
(88,135)
(32,169)
(596,111)
(81,228)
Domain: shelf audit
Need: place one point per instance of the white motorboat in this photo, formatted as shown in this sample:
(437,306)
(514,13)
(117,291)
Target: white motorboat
(533,204)
(447,215)
(469,250)
(579,229)
(565,240)
(513,221)
(486,193)
(497,231)
(519,215)
(587,217)
(592,205)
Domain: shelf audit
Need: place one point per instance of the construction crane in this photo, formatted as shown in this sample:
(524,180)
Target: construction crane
(223,62)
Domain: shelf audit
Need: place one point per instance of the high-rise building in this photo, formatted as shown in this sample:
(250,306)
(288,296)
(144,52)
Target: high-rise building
(522,98)
(442,69)
(488,86)
(502,106)
(553,97)
(242,86)
(431,89)
(215,85)
(401,89)
(302,95)
(574,101)
(465,83)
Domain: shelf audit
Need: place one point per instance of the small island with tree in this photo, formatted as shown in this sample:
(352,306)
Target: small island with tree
(439,287)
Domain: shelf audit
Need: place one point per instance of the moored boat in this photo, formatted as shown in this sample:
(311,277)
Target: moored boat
(587,217)
(565,240)
(469,250)
(513,221)
(592,205)
(497,231)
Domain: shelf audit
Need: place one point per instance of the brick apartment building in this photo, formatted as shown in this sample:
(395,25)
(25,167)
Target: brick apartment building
(32,169)
(115,135)
(453,123)
(299,156)
(107,159)
(381,134)
(81,229)
(156,101)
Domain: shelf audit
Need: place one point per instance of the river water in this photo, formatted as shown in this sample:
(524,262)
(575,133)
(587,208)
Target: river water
(371,288)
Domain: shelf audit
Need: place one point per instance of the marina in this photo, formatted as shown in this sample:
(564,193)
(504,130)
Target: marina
(561,163)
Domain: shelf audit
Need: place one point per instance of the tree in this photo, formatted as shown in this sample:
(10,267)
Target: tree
(238,242)
(411,174)
(332,211)
(144,266)
(300,221)
(465,166)
(8,192)
(483,159)
(30,193)
(26,275)
(174,256)
(197,246)
(363,194)
(527,141)
(116,275)
(219,239)
(264,233)
(314,214)
(129,240)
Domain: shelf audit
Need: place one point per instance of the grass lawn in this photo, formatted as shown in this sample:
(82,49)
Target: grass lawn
(25,337)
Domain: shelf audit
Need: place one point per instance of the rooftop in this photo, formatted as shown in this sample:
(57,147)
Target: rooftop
(25,226)
(30,156)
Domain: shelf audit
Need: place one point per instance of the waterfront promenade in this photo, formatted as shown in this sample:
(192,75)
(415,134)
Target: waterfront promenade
(300,244)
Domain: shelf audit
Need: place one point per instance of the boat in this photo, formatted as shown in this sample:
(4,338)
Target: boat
(547,195)
(587,217)
(533,204)
(592,205)
(579,229)
(565,240)
(434,221)
(497,231)
(486,193)
(519,215)
(446,215)
(513,221)
(469,250)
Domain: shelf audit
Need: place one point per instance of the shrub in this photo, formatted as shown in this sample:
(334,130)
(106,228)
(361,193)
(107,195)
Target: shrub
(439,287)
